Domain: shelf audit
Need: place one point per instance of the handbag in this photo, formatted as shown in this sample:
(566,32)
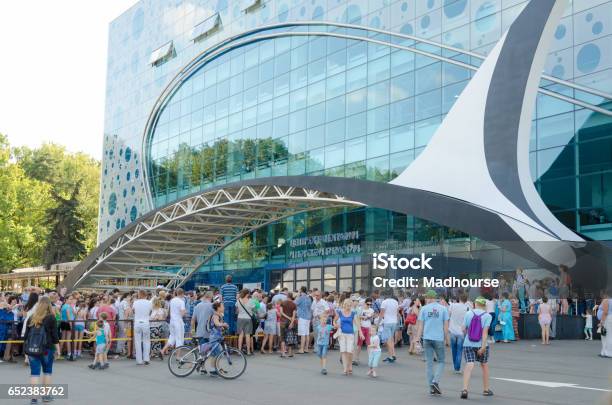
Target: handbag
(254,320)
(498,327)
(604,331)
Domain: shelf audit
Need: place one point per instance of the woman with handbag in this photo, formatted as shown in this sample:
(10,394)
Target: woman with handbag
(246,311)
(606,326)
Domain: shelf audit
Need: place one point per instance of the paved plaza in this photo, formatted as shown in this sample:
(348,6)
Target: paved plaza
(567,372)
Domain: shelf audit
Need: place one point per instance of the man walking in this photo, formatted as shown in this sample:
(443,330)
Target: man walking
(457,311)
(433,327)
(476,345)
(229,293)
(388,312)
(142,331)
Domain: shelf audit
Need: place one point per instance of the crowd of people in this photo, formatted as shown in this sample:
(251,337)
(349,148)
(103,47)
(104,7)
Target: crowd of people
(144,324)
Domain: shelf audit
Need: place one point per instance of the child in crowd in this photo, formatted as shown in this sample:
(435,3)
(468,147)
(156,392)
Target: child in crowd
(322,341)
(269,328)
(588,326)
(373,352)
(102,340)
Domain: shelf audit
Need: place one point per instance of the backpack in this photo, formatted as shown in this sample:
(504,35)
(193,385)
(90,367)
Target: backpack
(36,342)
(475,329)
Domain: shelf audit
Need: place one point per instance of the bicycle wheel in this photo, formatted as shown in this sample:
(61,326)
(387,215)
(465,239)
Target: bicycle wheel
(183,361)
(230,363)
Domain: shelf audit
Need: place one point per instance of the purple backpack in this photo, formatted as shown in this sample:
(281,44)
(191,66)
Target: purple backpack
(475,330)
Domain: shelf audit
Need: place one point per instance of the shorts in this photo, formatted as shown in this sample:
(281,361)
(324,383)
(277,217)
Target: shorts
(389,329)
(100,349)
(321,351)
(79,328)
(347,342)
(366,337)
(44,362)
(471,355)
(303,327)
(245,326)
(65,326)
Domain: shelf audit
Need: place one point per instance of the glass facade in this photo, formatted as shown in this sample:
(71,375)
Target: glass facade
(336,101)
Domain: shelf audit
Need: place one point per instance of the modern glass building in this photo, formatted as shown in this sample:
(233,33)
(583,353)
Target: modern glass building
(205,93)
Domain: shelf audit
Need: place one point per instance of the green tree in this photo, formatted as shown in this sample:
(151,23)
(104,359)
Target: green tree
(65,241)
(23,202)
(52,164)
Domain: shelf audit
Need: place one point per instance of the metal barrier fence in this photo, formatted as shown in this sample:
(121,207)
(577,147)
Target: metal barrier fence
(10,332)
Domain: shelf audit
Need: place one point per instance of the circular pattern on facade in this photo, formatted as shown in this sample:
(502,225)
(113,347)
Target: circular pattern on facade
(560,32)
(112,204)
(588,58)
(454,8)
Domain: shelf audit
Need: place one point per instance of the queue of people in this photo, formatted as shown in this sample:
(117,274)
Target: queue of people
(145,324)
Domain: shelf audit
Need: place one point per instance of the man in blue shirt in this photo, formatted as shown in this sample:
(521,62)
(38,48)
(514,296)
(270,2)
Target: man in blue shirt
(433,327)
(304,314)
(477,350)
(229,293)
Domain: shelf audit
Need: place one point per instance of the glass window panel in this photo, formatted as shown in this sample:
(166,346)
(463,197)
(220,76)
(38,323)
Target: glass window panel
(336,85)
(316,114)
(316,71)
(266,71)
(379,70)
(596,190)
(288,275)
(401,62)
(299,56)
(357,54)
(356,101)
(282,63)
(378,144)
(594,156)
(334,155)
(402,86)
(317,48)
(355,150)
(378,94)
(356,78)
(402,112)
(316,93)
(399,161)
(555,131)
(345,284)
(297,121)
(336,62)
(401,138)
(378,119)
(335,108)
(424,130)
(450,94)
(316,137)
(281,84)
(315,273)
(428,78)
(428,104)
(316,160)
(301,274)
(297,142)
(346,271)
(378,169)
(559,194)
(556,162)
(356,125)
(334,132)
(299,77)
(298,99)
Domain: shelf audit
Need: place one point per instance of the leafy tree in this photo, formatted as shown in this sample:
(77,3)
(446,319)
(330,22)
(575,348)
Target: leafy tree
(65,241)
(23,202)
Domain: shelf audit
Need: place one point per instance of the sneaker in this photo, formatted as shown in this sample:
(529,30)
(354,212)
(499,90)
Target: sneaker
(436,388)
(432,391)
(458,372)
(93,366)
(388,359)
(324,371)
(47,398)
(33,401)
(104,366)
(146,363)
(464,394)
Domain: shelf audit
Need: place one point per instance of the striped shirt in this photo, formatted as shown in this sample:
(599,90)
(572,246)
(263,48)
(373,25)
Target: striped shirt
(228,293)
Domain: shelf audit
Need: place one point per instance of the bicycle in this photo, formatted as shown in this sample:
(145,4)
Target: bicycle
(230,363)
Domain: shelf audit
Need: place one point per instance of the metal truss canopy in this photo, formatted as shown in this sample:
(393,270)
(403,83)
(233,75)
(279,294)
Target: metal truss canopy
(186,234)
